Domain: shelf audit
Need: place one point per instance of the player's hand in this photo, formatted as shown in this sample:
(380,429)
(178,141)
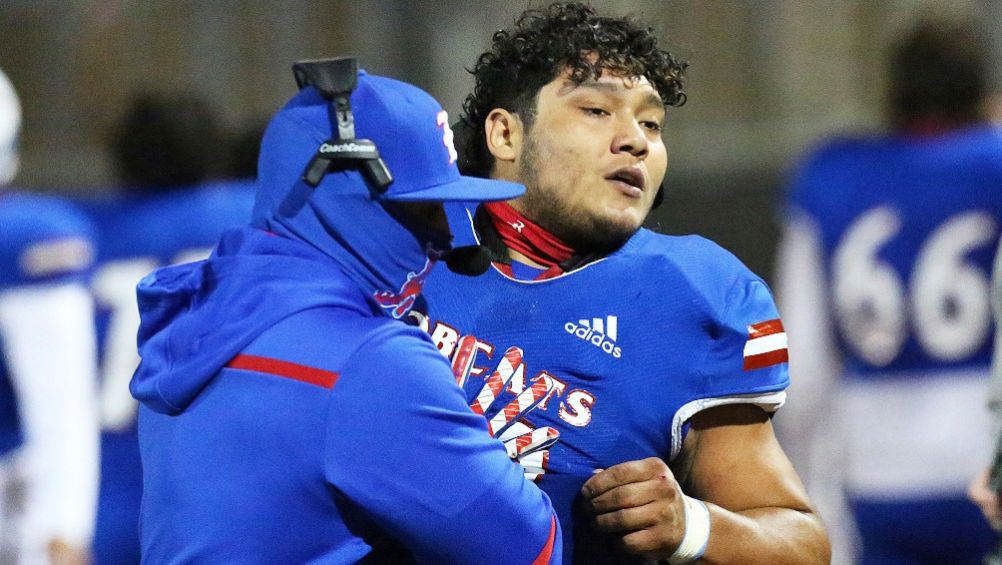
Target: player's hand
(640,503)
(987,500)
(526,445)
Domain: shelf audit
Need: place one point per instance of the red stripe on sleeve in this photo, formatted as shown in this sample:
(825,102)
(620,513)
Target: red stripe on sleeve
(294,371)
(544,556)
(763,329)
(766,359)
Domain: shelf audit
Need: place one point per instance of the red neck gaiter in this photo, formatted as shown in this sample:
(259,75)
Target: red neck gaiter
(522,235)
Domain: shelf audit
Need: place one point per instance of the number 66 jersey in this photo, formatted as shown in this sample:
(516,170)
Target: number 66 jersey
(885,271)
(623,351)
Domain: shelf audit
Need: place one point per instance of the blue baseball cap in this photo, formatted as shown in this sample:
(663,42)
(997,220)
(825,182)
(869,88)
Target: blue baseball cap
(409,128)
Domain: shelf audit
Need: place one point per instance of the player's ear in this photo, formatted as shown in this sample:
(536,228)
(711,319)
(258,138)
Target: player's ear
(503,132)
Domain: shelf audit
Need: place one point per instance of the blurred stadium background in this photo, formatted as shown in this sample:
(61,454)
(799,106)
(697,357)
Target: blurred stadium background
(767,79)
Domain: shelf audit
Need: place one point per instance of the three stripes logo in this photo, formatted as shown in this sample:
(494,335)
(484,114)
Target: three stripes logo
(600,332)
(766,345)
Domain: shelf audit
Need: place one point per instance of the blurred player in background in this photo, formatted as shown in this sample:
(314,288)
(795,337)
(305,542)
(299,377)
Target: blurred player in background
(169,210)
(646,349)
(288,415)
(884,281)
(48,392)
(982,490)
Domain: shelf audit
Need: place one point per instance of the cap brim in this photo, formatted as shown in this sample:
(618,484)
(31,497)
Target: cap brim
(463,189)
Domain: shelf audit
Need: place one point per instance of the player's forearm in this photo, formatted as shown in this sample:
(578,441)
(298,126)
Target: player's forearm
(767,536)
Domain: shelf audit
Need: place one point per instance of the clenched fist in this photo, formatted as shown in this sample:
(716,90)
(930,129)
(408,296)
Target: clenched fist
(641,503)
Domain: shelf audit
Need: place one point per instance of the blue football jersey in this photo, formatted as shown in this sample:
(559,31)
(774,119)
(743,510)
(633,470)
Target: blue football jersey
(908,230)
(903,231)
(635,344)
(138,234)
(43,240)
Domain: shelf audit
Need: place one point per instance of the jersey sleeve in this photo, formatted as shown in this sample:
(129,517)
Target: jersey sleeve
(746,360)
(749,355)
(44,241)
(404,449)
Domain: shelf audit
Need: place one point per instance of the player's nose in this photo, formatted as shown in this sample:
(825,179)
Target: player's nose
(629,138)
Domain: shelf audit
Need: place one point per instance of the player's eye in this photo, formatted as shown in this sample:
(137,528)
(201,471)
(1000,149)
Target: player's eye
(651,126)
(591,111)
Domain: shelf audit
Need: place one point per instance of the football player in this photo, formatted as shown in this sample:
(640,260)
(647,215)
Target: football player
(48,395)
(663,357)
(884,275)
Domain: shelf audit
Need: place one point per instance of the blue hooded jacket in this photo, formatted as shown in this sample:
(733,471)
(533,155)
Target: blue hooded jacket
(286,416)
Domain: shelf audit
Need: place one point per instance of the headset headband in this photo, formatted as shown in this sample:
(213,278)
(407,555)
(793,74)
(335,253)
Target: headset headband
(335,79)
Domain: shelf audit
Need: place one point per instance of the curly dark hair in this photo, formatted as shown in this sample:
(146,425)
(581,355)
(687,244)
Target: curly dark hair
(939,69)
(542,44)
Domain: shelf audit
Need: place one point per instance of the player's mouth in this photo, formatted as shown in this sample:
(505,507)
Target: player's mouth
(629,180)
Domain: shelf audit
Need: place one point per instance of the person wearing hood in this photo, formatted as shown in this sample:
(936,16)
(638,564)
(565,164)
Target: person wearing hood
(167,208)
(287,414)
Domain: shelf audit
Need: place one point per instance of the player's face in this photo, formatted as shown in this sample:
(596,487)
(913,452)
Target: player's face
(593,159)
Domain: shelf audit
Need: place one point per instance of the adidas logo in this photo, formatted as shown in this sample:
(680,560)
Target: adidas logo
(599,332)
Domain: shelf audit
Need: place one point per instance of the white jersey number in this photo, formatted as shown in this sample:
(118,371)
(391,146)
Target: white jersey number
(946,299)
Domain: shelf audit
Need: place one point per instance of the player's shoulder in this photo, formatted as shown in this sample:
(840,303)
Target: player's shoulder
(713,304)
(242,188)
(976,150)
(172,222)
(206,208)
(984,137)
(841,148)
(216,199)
(844,145)
(688,263)
(691,254)
(832,166)
(232,195)
(833,155)
(43,237)
(37,215)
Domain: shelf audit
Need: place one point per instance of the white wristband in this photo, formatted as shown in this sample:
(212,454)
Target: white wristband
(697,532)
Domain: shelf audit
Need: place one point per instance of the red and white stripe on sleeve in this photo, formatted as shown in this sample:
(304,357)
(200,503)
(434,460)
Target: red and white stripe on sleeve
(766,345)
